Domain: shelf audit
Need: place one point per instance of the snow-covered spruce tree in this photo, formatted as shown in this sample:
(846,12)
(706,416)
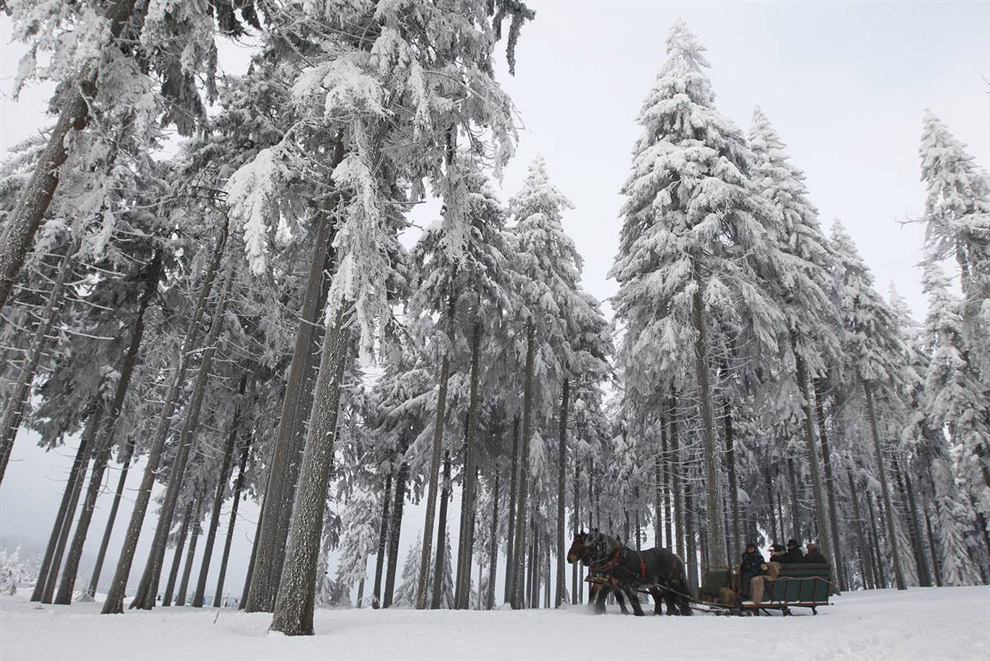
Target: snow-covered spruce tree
(957,400)
(691,246)
(805,294)
(459,290)
(13,571)
(957,225)
(873,350)
(112,62)
(380,91)
(549,270)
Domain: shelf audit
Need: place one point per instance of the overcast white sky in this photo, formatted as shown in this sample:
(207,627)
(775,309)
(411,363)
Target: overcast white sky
(844,83)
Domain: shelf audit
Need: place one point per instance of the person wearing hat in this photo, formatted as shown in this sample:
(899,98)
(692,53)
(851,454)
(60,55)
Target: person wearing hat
(814,555)
(750,566)
(793,554)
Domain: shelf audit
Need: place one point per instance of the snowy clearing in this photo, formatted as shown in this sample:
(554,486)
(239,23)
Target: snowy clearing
(930,624)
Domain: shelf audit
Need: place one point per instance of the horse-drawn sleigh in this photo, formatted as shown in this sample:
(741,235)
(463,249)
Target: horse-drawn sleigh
(624,572)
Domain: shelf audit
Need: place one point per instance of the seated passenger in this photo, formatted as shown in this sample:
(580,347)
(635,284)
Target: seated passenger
(750,566)
(793,554)
(814,555)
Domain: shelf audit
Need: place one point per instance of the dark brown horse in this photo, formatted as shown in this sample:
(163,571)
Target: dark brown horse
(603,583)
(657,570)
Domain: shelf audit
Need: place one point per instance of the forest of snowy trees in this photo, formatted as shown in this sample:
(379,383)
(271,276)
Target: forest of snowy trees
(240,315)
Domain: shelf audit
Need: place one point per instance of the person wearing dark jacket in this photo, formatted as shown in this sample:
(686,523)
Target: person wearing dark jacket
(750,566)
(793,554)
(814,555)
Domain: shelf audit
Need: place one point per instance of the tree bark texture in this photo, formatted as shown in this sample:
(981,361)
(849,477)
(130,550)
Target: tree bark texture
(466,534)
(561,599)
(713,473)
(431,497)
(235,501)
(518,567)
(63,517)
(833,516)
(382,541)
(276,505)
(821,521)
(395,528)
(180,545)
(511,517)
(180,598)
(438,574)
(296,594)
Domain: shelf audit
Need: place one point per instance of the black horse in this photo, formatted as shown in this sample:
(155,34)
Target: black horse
(657,569)
(602,584)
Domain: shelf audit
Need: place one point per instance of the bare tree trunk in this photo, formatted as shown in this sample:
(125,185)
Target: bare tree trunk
(63,517)
(23,223)
(218,498)
(884,488)
(768,481)
(492,548)
(92,426)
(125,463)
(382,541)
(148,588)
(238,486)
(465,544)
(431,498)
(674,462)
(795,517)
(511,520)
(114,603)
(833,516)
(860,536)
(923,574)
(180,599)
(730,460)
(713,480)
(575,592)
(821,521)
(180,545)
(561,599)
(297,589)
(438,573)
(518,600)
(246,591)
(690,538)
(277,503)
(664,457)
(936,565)
(877,554)
(105,441)
(14,410)
(396,528)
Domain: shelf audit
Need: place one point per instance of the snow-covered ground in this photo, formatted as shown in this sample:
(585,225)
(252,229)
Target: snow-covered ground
(929,624)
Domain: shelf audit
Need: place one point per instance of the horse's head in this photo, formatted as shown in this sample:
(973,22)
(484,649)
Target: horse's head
(577,550)
(598,548)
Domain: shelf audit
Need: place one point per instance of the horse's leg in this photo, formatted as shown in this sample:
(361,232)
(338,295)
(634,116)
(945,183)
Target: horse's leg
(658,597)
(621,601)
(633,600)
(601,594)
